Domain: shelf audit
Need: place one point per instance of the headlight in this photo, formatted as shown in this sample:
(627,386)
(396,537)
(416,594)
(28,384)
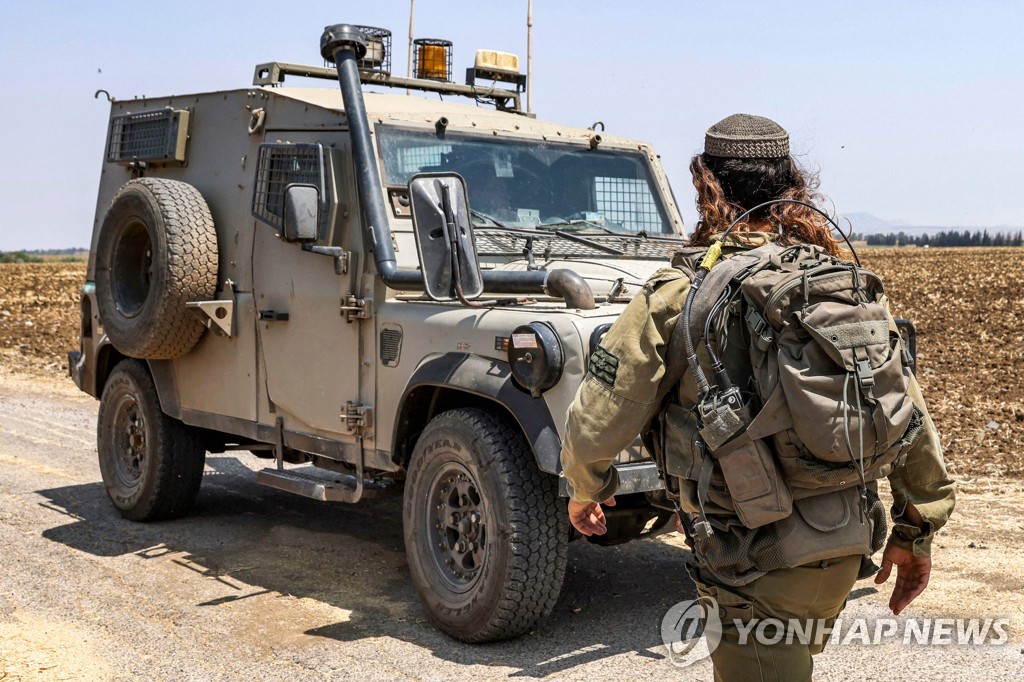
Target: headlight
(535,355)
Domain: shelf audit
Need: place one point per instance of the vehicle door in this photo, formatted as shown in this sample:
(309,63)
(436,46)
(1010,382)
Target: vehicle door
(308,325)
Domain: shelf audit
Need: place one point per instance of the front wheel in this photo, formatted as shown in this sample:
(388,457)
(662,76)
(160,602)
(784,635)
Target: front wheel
(485,533)
(152,465)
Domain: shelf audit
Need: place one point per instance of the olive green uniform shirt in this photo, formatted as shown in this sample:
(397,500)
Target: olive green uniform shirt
(618,398)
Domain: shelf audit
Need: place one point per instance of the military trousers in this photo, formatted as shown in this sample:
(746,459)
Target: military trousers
(805,600)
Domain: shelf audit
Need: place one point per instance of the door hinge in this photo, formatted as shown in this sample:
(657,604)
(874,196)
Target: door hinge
(353,308)
(357,416)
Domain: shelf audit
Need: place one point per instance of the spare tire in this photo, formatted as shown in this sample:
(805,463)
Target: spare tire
(157,250)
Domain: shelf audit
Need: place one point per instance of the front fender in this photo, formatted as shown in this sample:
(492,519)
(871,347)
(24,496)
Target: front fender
(491,379)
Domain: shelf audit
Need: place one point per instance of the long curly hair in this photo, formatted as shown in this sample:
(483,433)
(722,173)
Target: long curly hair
(726,187)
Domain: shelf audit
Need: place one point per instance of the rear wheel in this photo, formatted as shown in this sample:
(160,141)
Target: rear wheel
(485,533)
(152,465)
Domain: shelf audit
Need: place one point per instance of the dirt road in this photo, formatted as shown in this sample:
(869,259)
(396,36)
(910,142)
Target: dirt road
(257,584)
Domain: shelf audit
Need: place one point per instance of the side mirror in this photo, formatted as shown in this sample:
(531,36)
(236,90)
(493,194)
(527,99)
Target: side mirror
(301,213)
(444,236)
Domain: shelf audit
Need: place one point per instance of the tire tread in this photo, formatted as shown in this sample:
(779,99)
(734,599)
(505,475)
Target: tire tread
(538,525)
(180,453)
(191,274)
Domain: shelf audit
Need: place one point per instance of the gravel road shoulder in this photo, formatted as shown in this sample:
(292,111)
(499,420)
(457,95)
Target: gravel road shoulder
(258,584)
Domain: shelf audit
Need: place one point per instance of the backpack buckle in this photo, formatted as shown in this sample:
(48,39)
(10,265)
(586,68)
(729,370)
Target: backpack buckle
(703,529)
(906,357)
(760,328)
(755,321)
(900,461)
(865,375)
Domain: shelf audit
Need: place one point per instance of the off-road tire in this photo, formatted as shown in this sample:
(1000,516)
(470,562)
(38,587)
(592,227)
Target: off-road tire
(163,478)
(157,250)
(525,527)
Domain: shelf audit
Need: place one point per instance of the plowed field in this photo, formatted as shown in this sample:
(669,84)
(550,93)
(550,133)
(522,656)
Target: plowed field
(39,315)
(968,307)
(967,304)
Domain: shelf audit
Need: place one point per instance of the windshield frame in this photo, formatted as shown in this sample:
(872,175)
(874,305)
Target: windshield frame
(656,183)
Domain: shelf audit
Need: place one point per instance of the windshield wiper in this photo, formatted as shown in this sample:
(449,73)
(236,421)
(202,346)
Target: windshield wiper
(576,224)
(530,235)
(491,219)
(565,234)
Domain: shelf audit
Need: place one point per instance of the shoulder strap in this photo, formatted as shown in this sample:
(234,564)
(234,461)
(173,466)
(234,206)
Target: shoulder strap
(714,284)
(719,279)
(687,258)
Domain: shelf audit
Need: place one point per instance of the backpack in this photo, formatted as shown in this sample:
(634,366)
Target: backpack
(823,404)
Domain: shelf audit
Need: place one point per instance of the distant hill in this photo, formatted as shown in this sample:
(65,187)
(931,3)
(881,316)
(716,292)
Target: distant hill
(866,223)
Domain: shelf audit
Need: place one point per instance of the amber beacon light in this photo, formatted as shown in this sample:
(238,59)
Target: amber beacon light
(433,59)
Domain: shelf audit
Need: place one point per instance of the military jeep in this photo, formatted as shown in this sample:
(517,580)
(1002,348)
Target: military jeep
(377,291)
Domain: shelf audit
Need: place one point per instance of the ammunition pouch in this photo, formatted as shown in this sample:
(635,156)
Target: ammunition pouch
(683,448)
(830,525)
(754,487)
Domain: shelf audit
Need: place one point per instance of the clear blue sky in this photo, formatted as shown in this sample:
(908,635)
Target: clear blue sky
(911,110)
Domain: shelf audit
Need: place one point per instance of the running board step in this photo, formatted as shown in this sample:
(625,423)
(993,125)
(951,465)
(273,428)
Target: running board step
(318,484)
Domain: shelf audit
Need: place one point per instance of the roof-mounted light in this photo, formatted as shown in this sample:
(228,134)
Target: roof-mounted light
(496,66)
(378,49)
(432,59)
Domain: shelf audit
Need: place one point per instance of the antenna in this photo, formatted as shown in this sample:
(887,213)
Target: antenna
(412,16)
(529,54)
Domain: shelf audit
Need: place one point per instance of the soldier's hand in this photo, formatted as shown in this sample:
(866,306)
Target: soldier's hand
(588,517)
(911,575)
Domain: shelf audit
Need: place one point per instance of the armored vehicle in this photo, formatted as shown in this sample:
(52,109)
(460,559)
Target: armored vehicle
(377,291)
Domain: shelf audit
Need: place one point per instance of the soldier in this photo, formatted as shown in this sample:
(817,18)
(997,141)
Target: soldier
(801,567)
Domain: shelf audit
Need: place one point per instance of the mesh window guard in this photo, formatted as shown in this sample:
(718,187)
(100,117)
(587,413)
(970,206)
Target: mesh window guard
(158,135)
(627,201)
(280,165)
(413,160)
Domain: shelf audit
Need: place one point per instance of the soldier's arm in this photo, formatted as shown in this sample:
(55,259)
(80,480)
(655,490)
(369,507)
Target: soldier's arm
(923,492)
(619,394)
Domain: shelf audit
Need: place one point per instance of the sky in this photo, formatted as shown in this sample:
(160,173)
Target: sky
(910,111)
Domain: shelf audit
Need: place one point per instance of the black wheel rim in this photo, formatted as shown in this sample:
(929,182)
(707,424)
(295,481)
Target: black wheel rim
(132,268)
(129,440)
(456,526)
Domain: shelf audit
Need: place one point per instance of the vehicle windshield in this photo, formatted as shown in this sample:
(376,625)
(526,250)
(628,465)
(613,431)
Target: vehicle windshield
(534,184)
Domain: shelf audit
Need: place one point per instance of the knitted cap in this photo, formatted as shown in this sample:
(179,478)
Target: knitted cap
(742,136)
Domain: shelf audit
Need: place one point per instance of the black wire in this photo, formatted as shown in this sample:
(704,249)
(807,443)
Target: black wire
(691,355)
(801,203)
(707,323)
(717,367)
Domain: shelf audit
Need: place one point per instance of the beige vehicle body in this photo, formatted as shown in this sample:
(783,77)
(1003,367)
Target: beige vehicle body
(311,357)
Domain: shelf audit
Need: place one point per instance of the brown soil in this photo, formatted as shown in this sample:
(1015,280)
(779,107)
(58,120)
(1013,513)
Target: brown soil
(39,315)
(965,303)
